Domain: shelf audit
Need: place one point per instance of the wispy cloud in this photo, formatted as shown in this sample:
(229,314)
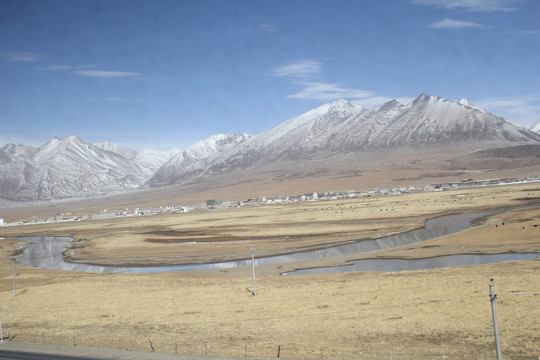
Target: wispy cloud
(306,74)
(328,92)
(105,74)
(524,32)
(266,28)
(300,69)
(524,110)
(56,68)
(472,5)
(22,56)
(454,24)
(122,100)
(257,29)
(262,28)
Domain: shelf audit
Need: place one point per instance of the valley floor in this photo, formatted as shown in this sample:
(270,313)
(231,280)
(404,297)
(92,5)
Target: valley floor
(424,314)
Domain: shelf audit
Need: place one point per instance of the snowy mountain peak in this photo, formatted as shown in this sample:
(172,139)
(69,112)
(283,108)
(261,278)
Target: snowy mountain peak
(465,102)
(67,168)
(214,144)
(198,152)
(127,153)
(535,127)
(428,99)
(390,108)
(337,106)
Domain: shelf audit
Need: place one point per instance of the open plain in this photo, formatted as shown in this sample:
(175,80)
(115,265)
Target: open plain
(423,314)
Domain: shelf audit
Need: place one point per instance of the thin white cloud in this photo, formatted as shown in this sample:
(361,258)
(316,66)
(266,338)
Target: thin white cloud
(257,29)
(21,56)
(328,92)
(472,5)
(122,100)
(454,24)
(266,28)
(300,69)
(523,111)
(56,68)
(304,73)
(105,74)
(524,32)
(262,28)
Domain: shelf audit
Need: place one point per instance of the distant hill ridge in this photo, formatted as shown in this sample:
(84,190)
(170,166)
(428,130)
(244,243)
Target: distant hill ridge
(71,167)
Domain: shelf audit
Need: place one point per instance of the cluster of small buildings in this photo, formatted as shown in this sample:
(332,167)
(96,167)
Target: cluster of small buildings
(213,204)
(473,183)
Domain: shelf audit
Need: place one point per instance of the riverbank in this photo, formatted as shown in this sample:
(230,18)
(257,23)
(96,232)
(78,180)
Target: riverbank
(226,235)
(421,314)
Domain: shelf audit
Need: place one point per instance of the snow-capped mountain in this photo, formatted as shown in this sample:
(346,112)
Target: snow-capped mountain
(149,160)
(194,154)
(154,158)
(337,132)
(434,120)
(64,168)
(340,127)
(127,153)
(535,127)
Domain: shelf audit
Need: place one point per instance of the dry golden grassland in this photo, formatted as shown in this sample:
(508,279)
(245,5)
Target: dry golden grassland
(418,314)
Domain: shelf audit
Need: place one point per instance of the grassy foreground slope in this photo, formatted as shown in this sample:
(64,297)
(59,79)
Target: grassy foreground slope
(422,314)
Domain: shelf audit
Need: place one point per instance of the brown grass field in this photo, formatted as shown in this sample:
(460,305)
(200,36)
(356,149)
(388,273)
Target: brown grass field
(423,314)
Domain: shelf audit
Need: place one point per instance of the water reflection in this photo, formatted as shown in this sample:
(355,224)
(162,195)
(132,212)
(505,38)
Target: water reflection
(416,264)
(46,252)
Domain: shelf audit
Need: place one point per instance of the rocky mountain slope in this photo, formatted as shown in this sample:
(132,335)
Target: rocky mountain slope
(196,153)
(335,140)
(535,127)
(149,160)
(340,128)
(64,168)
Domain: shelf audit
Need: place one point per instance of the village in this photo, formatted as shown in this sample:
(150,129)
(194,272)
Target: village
(214,204)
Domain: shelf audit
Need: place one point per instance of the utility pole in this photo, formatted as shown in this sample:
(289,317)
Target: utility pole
(493,297)
(253,266)
(1,333)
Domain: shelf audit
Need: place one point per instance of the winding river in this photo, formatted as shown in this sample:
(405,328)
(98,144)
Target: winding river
(46,252)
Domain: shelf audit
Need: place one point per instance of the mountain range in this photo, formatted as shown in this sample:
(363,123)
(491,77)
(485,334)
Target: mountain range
(335,139)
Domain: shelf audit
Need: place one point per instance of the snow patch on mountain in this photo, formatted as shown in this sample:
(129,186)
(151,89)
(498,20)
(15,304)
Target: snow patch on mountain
(201,150)
(64,168)
(535,127)
(71,167)
(339,127)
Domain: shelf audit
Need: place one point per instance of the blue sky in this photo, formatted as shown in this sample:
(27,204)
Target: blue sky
(159,74)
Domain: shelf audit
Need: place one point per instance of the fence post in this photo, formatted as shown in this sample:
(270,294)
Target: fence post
(1,333)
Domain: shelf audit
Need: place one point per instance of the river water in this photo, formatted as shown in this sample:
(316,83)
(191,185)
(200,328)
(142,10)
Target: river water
(46,252)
